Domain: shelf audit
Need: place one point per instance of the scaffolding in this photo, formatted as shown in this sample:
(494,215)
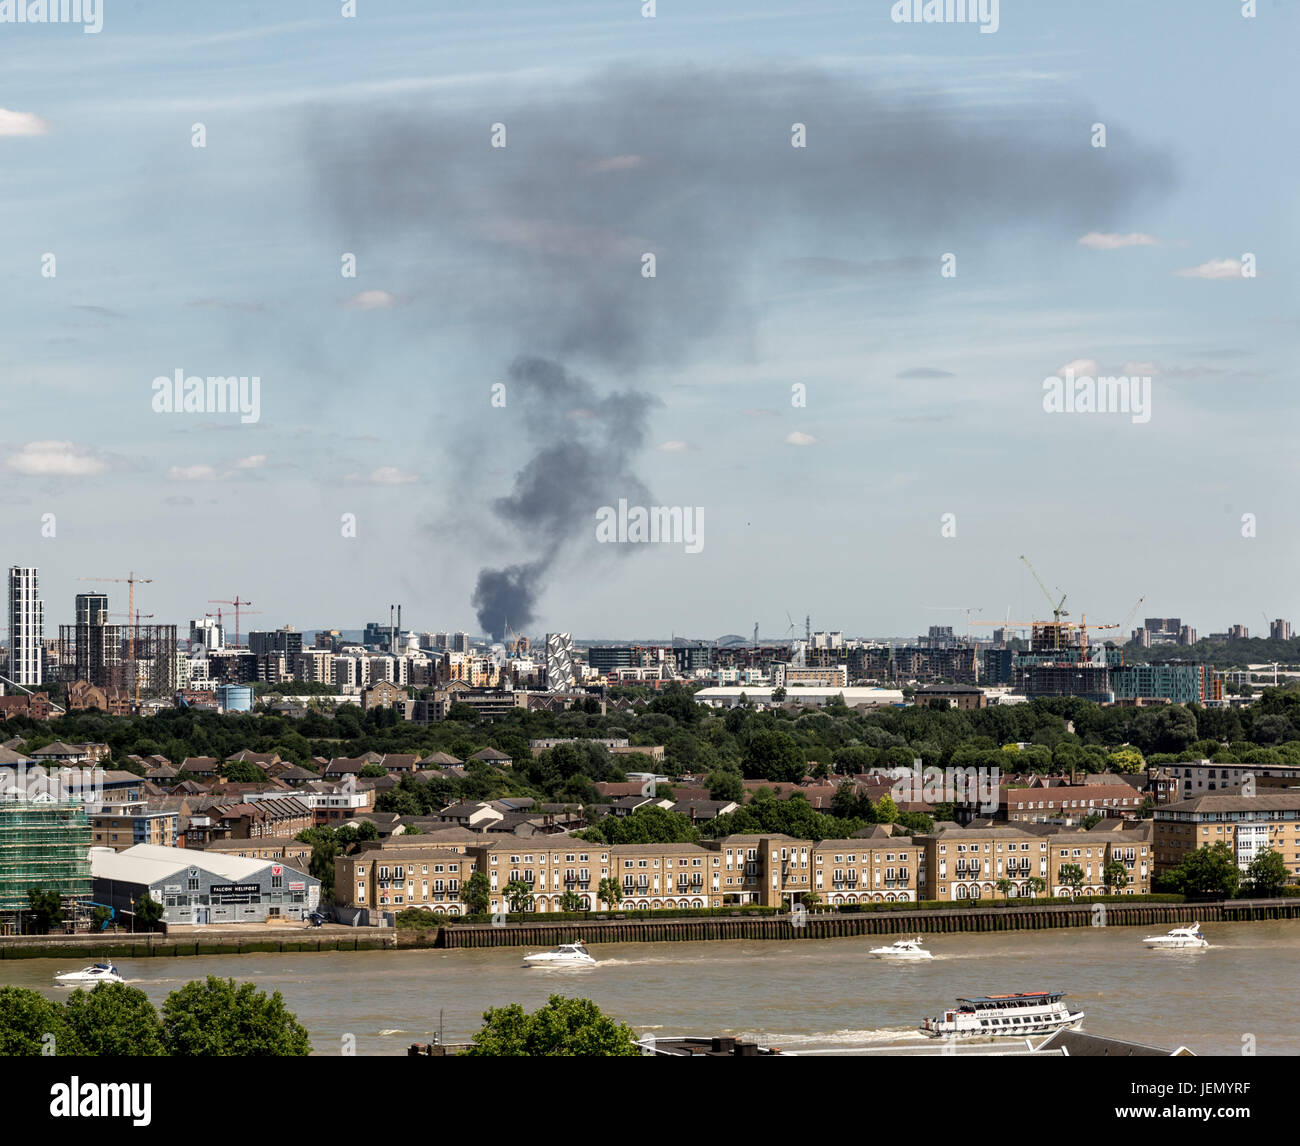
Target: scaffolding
(44,845)
(101,655)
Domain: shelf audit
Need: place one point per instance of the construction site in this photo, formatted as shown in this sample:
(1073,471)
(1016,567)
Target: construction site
(46,846)
(138,658)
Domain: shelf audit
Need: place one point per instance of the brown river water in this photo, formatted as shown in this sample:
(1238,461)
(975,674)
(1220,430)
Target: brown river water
(802,995)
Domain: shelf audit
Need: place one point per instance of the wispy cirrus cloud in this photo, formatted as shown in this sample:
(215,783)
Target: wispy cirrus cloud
(384,475)
(1214,269)
(1110,241)
(372,300)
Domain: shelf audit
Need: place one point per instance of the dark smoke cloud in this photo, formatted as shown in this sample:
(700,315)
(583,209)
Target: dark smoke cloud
(584,447)
(537,247)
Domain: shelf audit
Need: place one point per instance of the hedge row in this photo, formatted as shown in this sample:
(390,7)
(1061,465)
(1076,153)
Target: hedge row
(987,904)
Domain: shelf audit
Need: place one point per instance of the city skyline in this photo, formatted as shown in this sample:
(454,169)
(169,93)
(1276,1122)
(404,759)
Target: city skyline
(88,601)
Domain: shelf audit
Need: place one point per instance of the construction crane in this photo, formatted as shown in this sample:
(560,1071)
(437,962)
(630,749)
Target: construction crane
(131,579)
(1132,613)
(238,606)
(1058,609)
(957,609)
(135,669)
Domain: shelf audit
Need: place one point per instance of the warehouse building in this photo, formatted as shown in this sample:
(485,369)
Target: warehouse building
(202,887)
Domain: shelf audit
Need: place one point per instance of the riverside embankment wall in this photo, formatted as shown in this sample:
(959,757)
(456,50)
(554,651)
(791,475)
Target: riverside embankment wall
(816,926)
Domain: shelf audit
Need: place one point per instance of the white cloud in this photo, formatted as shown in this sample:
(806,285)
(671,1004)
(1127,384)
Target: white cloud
(618,163)
(1080,367)
(384,475)
(672,447)
(799,438)
(371,300)
(1214,269)
(1100,241)
(56,459)
(192,473)
(253,462)
(21,123)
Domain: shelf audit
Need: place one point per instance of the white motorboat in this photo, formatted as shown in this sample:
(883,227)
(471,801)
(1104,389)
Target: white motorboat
(902,949)
(95,973)
(999,1016)
(565,955)
(1179,937)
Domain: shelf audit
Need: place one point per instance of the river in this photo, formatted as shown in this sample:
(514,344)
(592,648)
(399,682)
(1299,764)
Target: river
(801,995)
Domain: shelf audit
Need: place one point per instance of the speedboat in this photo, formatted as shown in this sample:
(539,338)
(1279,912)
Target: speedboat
(902,949)
(1179,937)
(95,973)
(565,955)
(997,1016)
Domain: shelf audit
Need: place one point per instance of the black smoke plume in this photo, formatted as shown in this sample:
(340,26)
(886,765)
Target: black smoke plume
(584,446)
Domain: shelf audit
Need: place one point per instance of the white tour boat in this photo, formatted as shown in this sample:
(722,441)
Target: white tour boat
(902,949)
(1179,937)
(992,1016)
(565,955)
(95,973)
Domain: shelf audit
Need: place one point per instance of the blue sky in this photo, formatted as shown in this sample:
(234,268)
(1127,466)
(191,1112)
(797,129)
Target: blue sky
(370,135)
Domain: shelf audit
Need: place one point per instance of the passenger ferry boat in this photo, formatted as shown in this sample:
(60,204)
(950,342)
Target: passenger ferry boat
(1179,937)
(908,949)
(991,1016)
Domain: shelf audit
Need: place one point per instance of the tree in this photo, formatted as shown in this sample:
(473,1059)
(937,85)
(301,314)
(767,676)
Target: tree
(779,694)
(1005,886)
(519,895)
(574,1028)
(571,901)
(726,786)
(886,810)
(148,911)
(1267,872)
(1071,874)
(1126,760)
(28,1020)
(1206,872)
(372,771)
(774,756)
(1091,820)
(114,1019)
(100,917)
(1035,885)
(609,892)
(811,899)
(1115,876)
(45,910)
(243,771)
(475,893)
(219,1018)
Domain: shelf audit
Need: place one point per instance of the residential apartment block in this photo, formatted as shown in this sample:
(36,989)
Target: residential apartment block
(1247,824)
